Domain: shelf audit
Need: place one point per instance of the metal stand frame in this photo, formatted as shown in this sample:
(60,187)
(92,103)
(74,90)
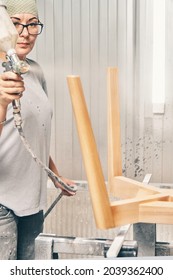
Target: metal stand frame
(51,247)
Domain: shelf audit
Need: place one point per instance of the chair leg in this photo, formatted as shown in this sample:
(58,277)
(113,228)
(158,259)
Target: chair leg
(96,182)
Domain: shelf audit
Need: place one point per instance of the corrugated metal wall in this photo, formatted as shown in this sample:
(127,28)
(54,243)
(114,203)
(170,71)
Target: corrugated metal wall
(84,37)
(73,216)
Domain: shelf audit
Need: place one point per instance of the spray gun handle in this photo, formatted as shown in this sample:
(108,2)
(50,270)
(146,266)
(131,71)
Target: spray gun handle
(8,67)
(19,67)
(13,64)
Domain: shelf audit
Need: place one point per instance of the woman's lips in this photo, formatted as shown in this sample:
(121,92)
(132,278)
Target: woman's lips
(23,45)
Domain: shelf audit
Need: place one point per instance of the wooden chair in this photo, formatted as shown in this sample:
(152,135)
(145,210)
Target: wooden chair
(137,202)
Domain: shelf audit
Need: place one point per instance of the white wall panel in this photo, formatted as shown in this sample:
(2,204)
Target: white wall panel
(84,37)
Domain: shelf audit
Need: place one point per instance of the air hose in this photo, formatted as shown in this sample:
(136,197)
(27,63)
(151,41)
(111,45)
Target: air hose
(20,67)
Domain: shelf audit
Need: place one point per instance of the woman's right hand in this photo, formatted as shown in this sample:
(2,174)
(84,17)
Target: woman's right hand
(11,88)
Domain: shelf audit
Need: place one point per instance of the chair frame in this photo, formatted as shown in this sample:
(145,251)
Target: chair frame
(135,201)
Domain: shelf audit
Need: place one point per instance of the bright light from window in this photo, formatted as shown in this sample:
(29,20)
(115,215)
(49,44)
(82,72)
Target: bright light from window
(158,91)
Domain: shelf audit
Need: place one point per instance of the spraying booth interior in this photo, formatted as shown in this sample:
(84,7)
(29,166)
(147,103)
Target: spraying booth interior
(118,142)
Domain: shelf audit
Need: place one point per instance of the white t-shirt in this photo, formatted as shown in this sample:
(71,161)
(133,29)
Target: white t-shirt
(23,183)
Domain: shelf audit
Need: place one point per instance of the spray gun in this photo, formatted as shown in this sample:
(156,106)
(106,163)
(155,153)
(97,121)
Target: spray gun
(8,39)
(19,67)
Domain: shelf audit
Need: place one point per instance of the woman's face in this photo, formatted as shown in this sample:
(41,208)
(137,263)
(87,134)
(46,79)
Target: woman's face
(25,41)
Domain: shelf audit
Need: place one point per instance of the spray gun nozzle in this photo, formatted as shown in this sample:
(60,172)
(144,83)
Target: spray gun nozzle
(15,64)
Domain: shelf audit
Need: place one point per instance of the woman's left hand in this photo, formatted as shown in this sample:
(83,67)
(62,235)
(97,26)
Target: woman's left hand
(67,182)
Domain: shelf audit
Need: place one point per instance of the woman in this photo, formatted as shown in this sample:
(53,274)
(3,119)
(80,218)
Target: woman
(22,182)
